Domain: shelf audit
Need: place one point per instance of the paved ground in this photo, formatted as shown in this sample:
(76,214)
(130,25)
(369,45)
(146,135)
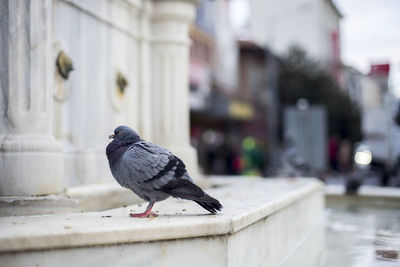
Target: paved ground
(367,179)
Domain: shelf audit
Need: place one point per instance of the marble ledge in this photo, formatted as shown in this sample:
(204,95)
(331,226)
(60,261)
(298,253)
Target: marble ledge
(83,198)
(245,201)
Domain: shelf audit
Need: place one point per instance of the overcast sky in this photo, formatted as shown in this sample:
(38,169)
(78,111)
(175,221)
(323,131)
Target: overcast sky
(370,33)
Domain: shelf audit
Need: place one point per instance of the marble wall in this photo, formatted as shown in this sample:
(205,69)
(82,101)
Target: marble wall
(102,39)
(54,130)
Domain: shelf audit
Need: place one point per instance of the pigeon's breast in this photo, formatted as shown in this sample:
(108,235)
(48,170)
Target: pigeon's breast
(121,171)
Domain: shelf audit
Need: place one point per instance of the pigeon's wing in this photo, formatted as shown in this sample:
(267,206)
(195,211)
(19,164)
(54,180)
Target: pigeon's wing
(156,168)
(152,166)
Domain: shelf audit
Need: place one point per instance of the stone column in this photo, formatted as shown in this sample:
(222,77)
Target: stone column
(31,161)
(145,74)
(170,86)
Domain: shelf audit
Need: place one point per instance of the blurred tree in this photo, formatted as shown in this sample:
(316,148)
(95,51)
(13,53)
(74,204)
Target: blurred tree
(397,116)
(301,77)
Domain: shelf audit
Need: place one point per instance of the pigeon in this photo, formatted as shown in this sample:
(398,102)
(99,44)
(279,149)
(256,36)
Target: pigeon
(152,172)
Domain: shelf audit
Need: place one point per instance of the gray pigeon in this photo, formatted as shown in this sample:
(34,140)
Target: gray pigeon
(152,172)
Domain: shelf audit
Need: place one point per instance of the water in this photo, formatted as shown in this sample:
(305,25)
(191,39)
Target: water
(359,236)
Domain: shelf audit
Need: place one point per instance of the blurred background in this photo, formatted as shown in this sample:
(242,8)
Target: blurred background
(289,88)
(294,87)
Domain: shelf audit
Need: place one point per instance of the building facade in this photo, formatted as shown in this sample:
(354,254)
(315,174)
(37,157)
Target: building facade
(312,25)
(230,92)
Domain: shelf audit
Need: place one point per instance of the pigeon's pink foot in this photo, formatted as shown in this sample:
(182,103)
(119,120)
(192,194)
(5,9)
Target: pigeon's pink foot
(143,215)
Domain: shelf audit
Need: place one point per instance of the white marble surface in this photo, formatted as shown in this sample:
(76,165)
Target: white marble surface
(101,38)
(273,222)
(245,201)
(83,198)
(204,252)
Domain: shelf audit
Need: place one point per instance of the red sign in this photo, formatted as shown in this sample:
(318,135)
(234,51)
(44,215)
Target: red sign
(380,69)
(335,45)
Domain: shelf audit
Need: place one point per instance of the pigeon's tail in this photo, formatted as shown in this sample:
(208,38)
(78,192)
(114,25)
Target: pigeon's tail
(182,188)
(211,207)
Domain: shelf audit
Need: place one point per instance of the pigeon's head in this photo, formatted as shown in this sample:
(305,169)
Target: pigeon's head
(125,134)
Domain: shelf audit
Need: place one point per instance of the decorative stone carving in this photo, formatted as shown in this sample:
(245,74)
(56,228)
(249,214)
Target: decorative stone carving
(121,82)
(63,68)
(64,65)
(118,91)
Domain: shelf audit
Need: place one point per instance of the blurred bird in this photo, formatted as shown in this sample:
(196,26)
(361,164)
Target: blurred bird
(293,162)
(353,184)
(152,172)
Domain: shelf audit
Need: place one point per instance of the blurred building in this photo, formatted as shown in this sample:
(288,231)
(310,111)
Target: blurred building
(380,130)
(367,91)
(378,108)
(380,74)
(310,24)
(229,89)
(351,84)
(258,83)
(213,53)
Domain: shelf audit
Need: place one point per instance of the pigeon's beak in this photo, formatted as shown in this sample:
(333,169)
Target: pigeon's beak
(111,136)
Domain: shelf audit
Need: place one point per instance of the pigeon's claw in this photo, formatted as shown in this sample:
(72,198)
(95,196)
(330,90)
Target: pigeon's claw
(143,215)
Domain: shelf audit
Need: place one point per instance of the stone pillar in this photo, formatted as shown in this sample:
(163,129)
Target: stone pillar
(145,74)
(31,161)
(170,85)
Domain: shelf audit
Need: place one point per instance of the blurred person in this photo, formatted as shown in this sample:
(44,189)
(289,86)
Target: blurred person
(237,164)
(253,157)
(344,156)
(333,145)
(233,163)
(353,183)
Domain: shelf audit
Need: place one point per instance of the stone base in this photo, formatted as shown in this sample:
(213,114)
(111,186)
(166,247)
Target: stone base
(30,165)
(75,199)
(31,173)
(264,222)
